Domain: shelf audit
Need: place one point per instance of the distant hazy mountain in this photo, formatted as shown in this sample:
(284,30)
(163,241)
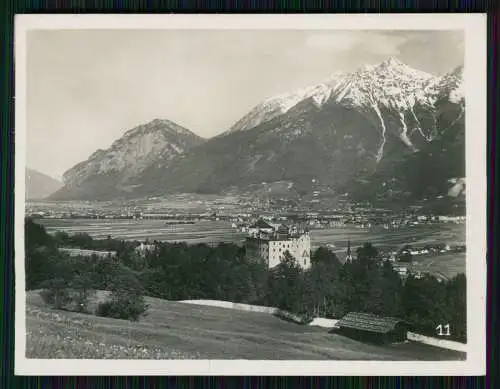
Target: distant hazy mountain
(39,185)
(347,128)
(107,173)
(379,131)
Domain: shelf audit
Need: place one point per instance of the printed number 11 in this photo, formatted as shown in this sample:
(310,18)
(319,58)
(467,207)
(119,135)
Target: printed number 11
(446,332)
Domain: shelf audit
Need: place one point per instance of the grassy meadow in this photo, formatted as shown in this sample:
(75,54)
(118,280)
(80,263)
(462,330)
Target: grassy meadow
(175,330)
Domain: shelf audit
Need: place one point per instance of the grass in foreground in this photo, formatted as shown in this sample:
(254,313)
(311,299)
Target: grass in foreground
(175,330)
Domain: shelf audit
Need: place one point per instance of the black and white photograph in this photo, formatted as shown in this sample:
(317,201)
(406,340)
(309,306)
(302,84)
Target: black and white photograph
(250,194)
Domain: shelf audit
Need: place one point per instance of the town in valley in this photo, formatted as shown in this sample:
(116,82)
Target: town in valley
(237,220)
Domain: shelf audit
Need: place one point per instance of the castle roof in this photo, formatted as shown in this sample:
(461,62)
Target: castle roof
(261,224)
(282,229)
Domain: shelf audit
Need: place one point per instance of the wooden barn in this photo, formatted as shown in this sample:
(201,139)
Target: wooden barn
(372,328)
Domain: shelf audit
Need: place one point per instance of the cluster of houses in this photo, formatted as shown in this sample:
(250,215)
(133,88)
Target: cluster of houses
(408,251)
(359,220)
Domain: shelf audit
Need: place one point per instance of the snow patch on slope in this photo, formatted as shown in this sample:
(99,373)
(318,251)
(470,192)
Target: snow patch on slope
(280,104)
(390,87)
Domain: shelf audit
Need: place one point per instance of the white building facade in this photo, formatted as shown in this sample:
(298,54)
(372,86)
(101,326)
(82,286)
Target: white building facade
(271,246)
(299,248)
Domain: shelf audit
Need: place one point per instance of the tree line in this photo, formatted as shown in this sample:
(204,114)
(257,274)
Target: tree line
(178,271)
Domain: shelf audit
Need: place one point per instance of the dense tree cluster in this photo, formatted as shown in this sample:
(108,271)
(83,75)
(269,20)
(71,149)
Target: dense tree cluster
(181,272)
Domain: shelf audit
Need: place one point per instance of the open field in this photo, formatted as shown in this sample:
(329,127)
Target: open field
(174,330)
(211,231)
(416,235)
(200,232)
(444,266)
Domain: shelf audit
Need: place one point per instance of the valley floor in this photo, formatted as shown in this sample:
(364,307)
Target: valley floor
(443,266)
(175,330)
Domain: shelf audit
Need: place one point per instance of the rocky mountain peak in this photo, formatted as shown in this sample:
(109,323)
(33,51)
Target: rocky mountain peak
(158,125)
(393,63)
(391,84)
(347,126)
(153,143)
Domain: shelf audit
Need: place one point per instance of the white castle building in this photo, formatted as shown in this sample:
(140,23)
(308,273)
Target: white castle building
(271,242)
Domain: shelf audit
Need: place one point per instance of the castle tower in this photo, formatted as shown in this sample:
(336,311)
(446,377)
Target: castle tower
(348,257)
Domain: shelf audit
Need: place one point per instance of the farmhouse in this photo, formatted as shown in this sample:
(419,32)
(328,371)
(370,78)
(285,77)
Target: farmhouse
(372,328)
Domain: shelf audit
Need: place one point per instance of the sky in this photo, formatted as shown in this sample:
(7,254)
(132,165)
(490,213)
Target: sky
(86,88)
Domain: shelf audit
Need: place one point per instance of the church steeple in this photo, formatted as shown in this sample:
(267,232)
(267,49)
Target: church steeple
(348,257)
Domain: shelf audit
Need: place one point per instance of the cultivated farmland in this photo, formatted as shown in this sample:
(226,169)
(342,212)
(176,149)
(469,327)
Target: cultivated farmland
(200,232)
(218,231)
(453,234)
(207,231)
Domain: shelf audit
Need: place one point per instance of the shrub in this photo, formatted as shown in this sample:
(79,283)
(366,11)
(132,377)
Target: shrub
(55,293)
(80,300)
(123,306)
(294,318)
(57,298)
(48,296)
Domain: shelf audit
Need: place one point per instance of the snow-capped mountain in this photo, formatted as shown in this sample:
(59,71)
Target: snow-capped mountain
(451,86)
(390,87)
(381,124)
(155,143)
(280,104)
(349,126)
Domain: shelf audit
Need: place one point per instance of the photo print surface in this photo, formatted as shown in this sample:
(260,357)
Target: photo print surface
(263,195)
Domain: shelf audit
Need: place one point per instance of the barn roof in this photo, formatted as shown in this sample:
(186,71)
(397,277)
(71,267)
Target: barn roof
(369,322)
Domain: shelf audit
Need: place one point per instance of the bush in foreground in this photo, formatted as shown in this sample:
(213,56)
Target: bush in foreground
(294,318)
(123,306)
(55,298)
(55,293)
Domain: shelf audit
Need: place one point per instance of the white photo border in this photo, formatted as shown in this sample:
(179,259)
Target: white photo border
(474,27)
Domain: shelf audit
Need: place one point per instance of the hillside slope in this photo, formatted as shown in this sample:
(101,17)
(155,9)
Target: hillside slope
(106,174)
(437,170)
(174,330)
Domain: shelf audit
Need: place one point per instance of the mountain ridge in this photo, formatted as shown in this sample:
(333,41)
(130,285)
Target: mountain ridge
(340,86)
(109,171)
(367,125)
(334,132)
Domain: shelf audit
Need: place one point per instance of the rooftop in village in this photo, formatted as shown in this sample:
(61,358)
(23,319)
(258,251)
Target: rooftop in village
(265,231)
(261,224)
